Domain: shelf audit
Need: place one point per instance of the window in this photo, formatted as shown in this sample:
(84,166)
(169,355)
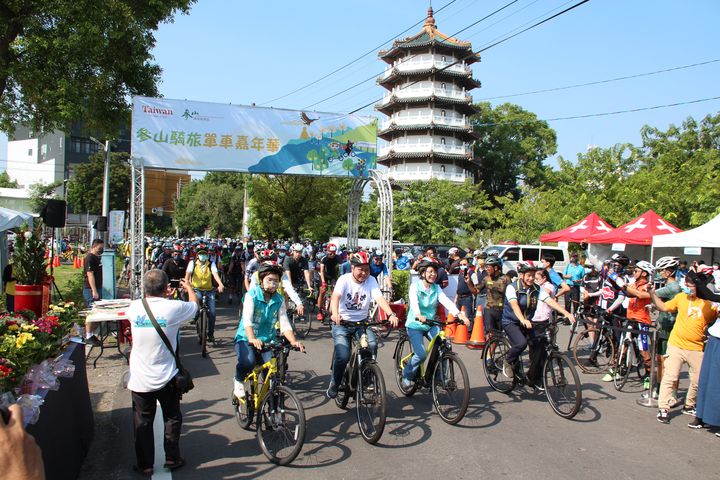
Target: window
(531,254)
(30,152)
(555,252)
(442,113)
(512,254)
(442,85)
(444,59)
(442,140)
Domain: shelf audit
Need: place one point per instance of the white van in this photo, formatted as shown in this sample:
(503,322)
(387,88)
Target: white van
(512,253)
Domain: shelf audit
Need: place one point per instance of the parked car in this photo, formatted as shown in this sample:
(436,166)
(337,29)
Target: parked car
(512,253)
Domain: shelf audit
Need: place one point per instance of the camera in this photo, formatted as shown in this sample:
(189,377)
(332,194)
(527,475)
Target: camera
(175,283)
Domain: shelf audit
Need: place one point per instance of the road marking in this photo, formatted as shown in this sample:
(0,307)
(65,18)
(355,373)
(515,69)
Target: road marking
(159,472)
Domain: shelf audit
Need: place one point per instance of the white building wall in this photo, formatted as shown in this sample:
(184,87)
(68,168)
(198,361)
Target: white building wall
(24,163)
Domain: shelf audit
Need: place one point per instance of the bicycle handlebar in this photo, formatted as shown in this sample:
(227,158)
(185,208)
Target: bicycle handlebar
(362,323)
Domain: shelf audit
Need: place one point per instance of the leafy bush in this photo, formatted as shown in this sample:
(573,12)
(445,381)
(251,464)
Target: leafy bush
(401,284)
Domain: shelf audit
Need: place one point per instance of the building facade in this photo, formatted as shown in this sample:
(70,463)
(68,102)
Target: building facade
(428,106)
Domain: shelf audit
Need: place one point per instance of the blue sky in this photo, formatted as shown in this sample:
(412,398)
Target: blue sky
(245,52)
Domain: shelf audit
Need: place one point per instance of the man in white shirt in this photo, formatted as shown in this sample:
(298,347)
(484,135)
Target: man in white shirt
(350,302)
(152,368)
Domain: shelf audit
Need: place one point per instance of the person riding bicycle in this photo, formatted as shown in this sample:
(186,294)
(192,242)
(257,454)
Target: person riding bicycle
(175,268)
(494,284)
(644,274)
(297,268)
(263,308)
(424,297)
(200,274)
(351,302)
(521,301)
(378,266)
(285,286)
(328,274)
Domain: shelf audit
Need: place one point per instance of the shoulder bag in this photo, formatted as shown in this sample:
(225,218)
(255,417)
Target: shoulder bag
(182,381)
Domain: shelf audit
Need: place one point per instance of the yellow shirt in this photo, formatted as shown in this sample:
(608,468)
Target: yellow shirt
(693,317)
(202,276)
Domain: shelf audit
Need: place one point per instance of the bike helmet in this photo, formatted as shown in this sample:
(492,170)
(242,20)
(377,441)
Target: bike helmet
(524,267)
(646,267)
(360,258)
(297,247)
(331,248)
(267,255)
(667,263)
(425,263)
(620,258)
(493,261)
(378,254)
(269,266)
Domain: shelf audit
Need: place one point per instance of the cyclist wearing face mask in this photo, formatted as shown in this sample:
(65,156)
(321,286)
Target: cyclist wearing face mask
(465,288)
(175,268)
(263,308)
(200,274)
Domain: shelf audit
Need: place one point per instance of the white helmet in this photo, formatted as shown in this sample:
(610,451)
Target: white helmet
(297,247)
(667,262)
(646,267)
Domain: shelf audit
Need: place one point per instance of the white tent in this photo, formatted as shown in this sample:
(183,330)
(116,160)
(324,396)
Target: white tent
(9,219)
(703,240)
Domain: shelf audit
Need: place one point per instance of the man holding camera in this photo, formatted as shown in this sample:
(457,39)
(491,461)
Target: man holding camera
(153,366)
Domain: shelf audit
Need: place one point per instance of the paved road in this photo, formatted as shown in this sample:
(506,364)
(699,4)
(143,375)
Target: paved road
(508,436)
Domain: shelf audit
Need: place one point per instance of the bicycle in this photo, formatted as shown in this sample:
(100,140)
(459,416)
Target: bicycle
(594,348)
(324,309)
(628,356)
(124,278)
(560,379)
(379,316)
(441,372)
(301,323)
(201,326)
(280,417)
(364,380)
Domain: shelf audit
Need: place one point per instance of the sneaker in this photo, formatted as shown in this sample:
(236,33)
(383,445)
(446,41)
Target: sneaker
(332,391)
(687,410)
(238,389)
(211,338)
(696,424)
(536,388)
(610,376)
(717,434)
(93,341)
(662,416)
(406,384)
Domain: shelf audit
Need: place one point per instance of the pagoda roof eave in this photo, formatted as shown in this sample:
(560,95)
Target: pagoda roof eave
(465,105)
(465,132)
(423,156)
(466,78)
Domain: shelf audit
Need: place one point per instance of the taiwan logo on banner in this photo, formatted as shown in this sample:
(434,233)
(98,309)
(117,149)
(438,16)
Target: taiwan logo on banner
(187,135)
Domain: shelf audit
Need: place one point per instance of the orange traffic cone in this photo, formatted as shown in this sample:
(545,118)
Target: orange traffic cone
(461,332)
(450,327)
(56,261)
(478,333)
(76,263)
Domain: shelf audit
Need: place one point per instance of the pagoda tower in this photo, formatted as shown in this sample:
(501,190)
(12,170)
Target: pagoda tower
(428,131)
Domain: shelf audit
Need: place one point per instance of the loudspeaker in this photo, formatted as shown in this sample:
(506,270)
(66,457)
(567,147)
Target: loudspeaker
(101,224)
(54,213)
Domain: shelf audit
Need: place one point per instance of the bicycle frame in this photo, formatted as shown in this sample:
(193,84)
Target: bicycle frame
(258,391)
(433,349)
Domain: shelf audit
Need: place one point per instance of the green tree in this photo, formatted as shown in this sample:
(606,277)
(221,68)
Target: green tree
(85,188)
(512,145)
(63,60)
(40,193)
(296,206)
(6,181)
(216,207)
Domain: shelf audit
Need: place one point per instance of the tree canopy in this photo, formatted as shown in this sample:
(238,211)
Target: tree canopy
(86,185)
(6,181)
(64,60)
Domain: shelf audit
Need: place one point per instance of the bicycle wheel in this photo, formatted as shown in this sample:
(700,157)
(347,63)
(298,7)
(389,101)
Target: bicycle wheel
(403,352)
(244,411)
(624,364)
(562,385)
(450,388)
(203,321)
(281,425)
(493,355)
(371,402)
(593,356)
(301,324)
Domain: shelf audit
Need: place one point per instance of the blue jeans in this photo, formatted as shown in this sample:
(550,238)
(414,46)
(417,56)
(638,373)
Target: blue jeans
(210,294)
(419,351)
(246,358)
(87,295)
(341,356)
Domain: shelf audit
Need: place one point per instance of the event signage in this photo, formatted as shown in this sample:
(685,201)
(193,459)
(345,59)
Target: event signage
(692,251)
(116,221)
(202,136)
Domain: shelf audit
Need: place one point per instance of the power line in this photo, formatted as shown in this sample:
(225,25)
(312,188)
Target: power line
(609,80)
(410,58)
(488,47)
(603,114)
(357,59)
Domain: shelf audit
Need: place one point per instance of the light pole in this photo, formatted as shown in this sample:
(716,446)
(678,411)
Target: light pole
(106,183)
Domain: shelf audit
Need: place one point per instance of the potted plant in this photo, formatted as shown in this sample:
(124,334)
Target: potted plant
(29,269)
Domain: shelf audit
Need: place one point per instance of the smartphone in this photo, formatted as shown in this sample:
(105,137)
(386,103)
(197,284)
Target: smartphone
(5,414)
(175,283)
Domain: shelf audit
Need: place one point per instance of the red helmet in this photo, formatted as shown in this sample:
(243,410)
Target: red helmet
(360,258)
(331,247)
(267,255)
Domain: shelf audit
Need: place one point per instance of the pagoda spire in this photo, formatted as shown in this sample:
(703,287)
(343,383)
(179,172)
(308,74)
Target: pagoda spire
(430,20)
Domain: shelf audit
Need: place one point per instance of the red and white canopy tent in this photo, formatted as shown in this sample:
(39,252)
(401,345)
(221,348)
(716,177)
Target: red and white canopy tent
(638,232)
(579,232)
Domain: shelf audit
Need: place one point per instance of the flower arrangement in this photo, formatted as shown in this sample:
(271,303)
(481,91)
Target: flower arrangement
(26,340)
(29,262)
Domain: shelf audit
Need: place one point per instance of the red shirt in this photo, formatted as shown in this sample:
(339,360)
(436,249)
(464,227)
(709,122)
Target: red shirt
(636,309)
